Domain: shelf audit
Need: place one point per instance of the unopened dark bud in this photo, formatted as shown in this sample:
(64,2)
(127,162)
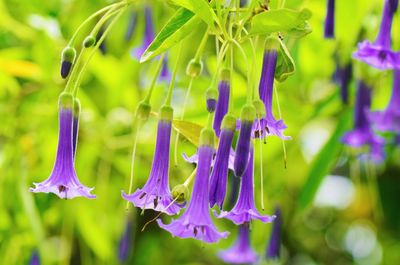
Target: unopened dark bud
(67,60)
(194,68)
(211,99)
(180,193)
(89,41)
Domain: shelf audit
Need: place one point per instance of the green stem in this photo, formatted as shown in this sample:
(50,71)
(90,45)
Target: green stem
(230,106)
(200,49)
(172,83)
(135,132)
(154,80)
(249,95)
(75,85)
(190,178)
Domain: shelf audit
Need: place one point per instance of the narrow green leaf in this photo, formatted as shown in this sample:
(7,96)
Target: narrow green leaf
(285,65)
(300,31)
(201,8)
(189,130)
(282,20)
(182,23)
(324,162)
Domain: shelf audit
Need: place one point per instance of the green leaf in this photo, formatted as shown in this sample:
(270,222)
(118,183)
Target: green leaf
(283,20)
(201,8)
(189,130)
(285,65)
(323,163)
(182,23)
(300,31)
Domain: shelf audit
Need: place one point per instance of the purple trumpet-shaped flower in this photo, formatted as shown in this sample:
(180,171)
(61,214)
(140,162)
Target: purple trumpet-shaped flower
(125,243)
(329,26)
(148,34)
(245,210)
(242,148)
(268,125)
(63,180)
(131,26)
(362,133)
(241,252)
(35,259)
(165,74)
(389,119)
(379,54)
(274,245)
(222,102)
(196,221)
(219,173)
(156,193)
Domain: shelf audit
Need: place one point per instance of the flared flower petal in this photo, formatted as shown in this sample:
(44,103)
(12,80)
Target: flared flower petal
(196,221)
(156,193)
(63,180)
(241,252)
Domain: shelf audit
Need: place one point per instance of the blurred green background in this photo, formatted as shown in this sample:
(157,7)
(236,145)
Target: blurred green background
(336,210)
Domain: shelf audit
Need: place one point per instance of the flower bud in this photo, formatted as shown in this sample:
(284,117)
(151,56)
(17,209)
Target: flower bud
(248,113)
(143,111)
(211,99)
(194,68)
(260,108)
(206,137)
(180,193)
(229,122)
(89,41)
(67,59)
(166,113)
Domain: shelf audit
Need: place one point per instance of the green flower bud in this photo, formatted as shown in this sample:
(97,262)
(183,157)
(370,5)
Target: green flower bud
(68,54)
(248,113)
(225,74)
(207,137)
(272,43)
(143,111)
(229,122)
(166,113)
(211,99)
(180,193)
(66,100)
(89,41)
(194,68)
(260,108)
(77,107)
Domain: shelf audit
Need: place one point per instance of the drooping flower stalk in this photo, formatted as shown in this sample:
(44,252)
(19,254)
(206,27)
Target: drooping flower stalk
(196,221)
(389,119)
(245,210)
(156,193)
(63,180)
(223,100)
(241,252)
(274,245)
(268,125)
(219,174)
(379,54)
(329,26)
(362,133)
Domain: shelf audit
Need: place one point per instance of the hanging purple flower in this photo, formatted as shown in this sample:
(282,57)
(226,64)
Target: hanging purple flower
(245,210)
(342,77)
(63,180)
(165,74)
(243,144)
(125,243)
(362,133)
(379,54)
(223,100)
(268,125)
(35,259)
(389,119)
(241,252)
(274,245)
(219,173)
(196,221)
(148,34)
(156,194)
(131,26)
(103,46)
(329,26)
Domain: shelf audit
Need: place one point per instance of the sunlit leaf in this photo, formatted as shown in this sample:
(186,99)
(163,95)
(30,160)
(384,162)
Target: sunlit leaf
(323,163)
(19,68)
(182,23)
(201,8)
(278,20)
(189,130)
(285,65)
